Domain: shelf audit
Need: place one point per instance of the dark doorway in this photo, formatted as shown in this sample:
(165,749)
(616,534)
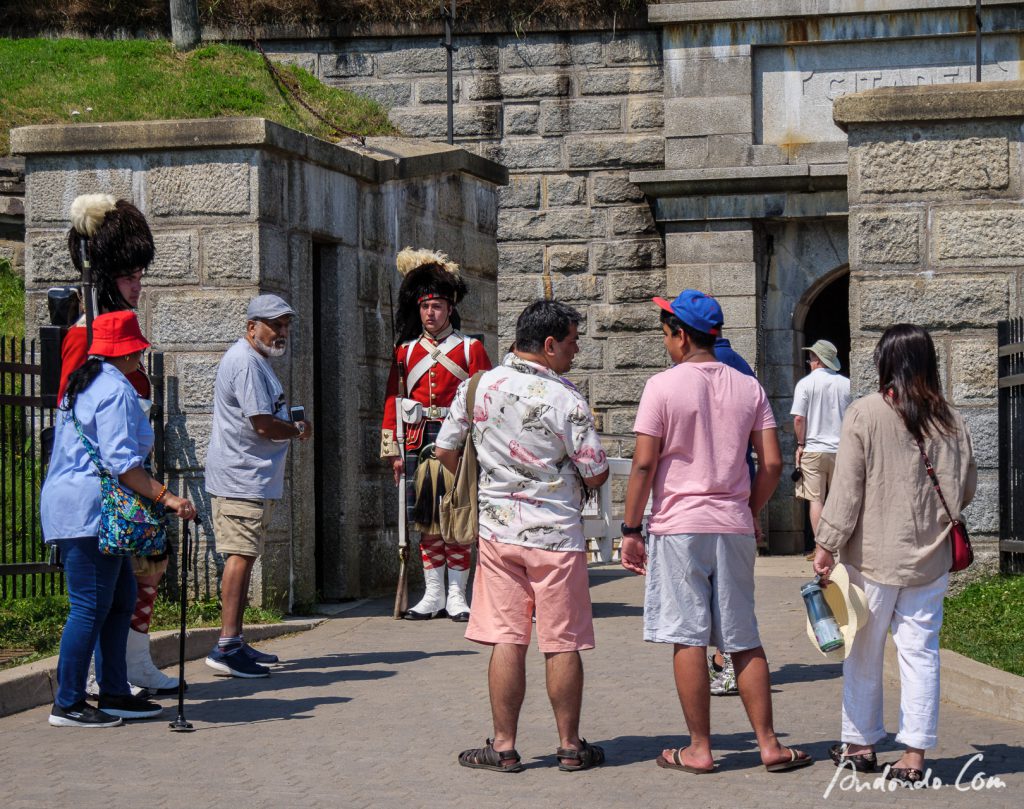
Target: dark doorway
(322,276)
(828,318)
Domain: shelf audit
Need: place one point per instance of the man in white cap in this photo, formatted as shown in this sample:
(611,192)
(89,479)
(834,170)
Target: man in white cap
(245,469)
(819,403)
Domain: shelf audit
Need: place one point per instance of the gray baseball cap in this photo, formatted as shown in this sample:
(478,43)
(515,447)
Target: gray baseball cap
(267,307)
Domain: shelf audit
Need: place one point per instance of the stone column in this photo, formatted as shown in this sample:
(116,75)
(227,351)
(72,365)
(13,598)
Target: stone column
(937,238)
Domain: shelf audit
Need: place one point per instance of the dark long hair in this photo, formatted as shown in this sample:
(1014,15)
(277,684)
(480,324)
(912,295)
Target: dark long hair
(121,245)
(908,378)
(80,379)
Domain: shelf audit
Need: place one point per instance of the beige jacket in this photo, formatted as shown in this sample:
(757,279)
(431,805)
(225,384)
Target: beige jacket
(882,513)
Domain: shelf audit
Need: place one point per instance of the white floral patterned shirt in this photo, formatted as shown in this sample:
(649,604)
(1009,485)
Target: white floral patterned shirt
(535,441)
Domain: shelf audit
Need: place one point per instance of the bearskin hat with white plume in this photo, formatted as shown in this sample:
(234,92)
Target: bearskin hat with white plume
(425,274)
(117,240)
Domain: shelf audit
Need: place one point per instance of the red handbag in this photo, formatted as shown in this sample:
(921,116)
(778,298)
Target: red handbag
(960,541)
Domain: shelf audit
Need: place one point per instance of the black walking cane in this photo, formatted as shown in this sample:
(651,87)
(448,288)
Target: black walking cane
(180,725)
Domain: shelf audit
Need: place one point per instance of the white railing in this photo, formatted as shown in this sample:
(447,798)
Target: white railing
(601,520)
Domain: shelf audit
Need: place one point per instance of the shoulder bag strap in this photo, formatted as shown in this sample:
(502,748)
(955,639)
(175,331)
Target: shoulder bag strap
(89,446)
(474,383)
(935,480)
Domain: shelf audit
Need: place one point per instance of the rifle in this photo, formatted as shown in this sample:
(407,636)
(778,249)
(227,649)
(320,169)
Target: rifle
(402,592)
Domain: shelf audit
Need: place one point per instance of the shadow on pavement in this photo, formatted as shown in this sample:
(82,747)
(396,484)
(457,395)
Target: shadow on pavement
(624,750)
(239,711)
(616,609)
(370,658)
(805,673)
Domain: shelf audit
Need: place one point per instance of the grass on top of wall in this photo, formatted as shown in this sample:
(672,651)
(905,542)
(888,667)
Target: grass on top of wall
(985,621)
(71,81)
(103,16)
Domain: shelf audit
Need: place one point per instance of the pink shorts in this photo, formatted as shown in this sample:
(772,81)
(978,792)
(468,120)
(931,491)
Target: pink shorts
(513,581)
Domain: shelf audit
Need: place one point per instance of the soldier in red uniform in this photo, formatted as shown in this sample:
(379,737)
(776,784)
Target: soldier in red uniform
(435,358)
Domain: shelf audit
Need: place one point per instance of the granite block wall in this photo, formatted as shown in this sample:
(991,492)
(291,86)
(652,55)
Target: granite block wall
(570,115)
(269,210)
(936,190)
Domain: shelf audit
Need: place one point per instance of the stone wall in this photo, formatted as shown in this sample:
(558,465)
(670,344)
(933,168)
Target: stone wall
(244,206)
(12,212)
(937,239)
(569,115)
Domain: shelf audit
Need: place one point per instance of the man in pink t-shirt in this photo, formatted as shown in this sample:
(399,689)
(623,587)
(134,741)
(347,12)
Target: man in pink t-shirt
(692,429)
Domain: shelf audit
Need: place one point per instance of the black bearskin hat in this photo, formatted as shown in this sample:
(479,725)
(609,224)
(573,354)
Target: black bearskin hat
(118,241)
(426,274)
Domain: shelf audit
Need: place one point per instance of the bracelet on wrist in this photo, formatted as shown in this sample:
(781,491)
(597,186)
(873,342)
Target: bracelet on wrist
(160,496)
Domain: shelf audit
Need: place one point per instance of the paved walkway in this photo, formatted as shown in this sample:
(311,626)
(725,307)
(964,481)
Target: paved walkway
(371,712)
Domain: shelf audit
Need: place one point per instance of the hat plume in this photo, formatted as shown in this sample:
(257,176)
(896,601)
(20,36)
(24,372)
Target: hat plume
(409,259)
(88,210)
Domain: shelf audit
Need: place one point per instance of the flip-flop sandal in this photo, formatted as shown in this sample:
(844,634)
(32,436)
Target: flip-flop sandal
(677,764)
(487,758)
(588,755)
(861,762)
(797,759)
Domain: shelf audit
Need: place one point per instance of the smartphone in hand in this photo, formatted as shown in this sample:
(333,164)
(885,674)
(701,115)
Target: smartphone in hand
(297,413)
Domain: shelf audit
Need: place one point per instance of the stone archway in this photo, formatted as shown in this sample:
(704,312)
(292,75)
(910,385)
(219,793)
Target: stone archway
(824,313)
(809,258)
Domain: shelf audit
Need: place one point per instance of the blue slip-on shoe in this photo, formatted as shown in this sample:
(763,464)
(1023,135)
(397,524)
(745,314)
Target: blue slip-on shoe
(259,657)
(236,663)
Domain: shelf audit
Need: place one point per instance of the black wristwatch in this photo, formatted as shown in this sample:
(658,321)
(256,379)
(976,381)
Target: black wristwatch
(631,530)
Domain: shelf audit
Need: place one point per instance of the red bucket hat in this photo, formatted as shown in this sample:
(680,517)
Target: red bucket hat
(117,334)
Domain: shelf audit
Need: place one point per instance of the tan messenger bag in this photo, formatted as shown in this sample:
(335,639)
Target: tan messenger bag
(460,522)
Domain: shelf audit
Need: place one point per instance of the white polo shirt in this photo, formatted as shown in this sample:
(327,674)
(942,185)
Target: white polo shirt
(821,398)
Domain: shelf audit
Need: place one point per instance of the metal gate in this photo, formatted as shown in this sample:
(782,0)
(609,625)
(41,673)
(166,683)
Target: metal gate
(26,413)
(1011,445)
(24,570)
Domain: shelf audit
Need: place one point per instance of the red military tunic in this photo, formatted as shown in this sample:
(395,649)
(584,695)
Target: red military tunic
(428,382)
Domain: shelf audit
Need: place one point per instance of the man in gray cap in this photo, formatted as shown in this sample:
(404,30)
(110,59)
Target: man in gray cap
(819,403)
(245,469)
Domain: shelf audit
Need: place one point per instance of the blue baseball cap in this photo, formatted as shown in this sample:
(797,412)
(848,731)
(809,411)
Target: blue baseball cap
(696,310)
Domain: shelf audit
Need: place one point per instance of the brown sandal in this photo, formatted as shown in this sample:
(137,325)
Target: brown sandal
(588,755)
(487,758)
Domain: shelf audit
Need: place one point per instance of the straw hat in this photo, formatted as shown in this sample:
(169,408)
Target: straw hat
(849,605)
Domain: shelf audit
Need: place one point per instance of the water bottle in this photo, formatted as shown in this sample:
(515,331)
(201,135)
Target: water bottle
(823,622)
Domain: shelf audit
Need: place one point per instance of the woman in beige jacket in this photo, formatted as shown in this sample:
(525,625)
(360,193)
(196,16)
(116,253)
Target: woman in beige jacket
(889,527)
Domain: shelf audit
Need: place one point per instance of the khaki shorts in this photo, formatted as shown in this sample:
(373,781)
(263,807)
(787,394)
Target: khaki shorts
(817,468)
(240,526)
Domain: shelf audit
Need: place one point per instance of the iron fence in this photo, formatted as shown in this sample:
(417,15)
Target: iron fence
(24,567)
(1011,445)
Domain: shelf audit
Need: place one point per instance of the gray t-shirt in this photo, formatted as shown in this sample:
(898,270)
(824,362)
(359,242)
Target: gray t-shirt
(240,463)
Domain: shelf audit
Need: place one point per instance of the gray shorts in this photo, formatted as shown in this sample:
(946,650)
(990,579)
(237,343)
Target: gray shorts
(700,591)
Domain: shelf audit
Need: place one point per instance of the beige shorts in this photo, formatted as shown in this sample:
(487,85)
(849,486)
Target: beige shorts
(817,468)
(240,526)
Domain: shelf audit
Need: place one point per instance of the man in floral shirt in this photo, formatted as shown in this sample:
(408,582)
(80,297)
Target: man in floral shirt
(537,449)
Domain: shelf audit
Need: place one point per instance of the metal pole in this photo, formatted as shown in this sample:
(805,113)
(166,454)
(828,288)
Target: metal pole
(449,23)
(977,40)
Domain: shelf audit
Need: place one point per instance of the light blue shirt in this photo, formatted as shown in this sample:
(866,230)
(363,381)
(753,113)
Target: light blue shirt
(113,420)
(241,463)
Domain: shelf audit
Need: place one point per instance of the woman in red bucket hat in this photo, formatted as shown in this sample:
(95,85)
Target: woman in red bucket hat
(115,236)
(101,588)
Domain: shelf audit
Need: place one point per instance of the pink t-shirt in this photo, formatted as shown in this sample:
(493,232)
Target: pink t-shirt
(704,414)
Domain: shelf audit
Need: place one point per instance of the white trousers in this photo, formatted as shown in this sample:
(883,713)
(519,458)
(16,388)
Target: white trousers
(914,615)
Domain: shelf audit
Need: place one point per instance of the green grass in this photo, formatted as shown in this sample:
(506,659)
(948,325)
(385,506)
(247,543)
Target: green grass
(985,622)
(12,301)
(46,81)
(36,623)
